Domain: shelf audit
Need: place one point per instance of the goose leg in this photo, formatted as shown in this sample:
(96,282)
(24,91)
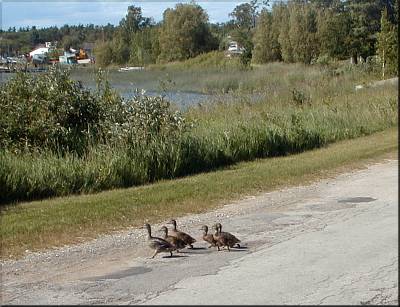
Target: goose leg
(171,253)
(228,248)
(155,253)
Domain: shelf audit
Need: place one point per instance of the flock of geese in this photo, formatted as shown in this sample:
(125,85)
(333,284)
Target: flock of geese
(174,240)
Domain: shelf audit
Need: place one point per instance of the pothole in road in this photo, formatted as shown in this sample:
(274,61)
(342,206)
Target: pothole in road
(357,200)
(122,274)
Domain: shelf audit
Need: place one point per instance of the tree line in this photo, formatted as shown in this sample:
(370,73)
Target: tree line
(290,31)
(20,41)
(302,31)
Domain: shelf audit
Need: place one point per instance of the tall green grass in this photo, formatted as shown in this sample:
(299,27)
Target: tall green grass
(223,134)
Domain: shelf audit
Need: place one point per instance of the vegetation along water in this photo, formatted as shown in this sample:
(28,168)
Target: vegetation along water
(290,88)
(59,138)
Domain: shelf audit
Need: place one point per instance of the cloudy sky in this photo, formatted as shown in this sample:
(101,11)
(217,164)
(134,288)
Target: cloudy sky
(16,13)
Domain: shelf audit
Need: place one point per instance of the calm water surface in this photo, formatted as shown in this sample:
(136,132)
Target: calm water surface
(126,84)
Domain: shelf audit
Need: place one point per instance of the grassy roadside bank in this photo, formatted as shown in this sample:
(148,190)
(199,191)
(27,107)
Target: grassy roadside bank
(55,222)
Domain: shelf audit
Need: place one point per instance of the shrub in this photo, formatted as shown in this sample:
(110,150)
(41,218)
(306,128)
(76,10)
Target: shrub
(49,110)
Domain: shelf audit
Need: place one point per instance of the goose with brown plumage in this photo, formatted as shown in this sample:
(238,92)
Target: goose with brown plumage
(178,243)
(181,235)
(208,237)
(157,244)
(224,238)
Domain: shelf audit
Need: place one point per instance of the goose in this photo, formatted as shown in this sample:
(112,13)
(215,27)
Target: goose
(181,235)
(178,243)
(208,237)
(224,238)
(157,244)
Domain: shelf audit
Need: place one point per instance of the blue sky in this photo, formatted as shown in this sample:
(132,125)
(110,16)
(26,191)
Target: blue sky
(44,14)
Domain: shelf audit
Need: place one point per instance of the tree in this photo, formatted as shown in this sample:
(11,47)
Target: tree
(244,20)
(333,33)
(34,36)
(121,51)
(302,32)
(185,33)
(71,41)
(132,22)
(266,45)
(245,15)
(242,16)
(143,46)
(104,53)
(387,46)
(282,17)
(365,15)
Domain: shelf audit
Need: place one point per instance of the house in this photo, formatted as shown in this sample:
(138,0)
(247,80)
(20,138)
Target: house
(234,48)
(67,58)
(40,51)
(39,55)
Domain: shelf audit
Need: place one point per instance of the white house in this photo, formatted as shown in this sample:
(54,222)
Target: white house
(39,51)
(234,49)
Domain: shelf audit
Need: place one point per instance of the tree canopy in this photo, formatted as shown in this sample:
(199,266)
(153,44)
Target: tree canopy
(290,31)
(185,33)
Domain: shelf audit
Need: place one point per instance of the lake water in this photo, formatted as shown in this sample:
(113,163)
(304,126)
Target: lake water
(126,88)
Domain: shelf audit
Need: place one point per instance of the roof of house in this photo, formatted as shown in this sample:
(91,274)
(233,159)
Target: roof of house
(40,50)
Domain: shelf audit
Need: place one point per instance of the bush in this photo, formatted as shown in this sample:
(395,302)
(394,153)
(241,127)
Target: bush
(53,112)
(49,110)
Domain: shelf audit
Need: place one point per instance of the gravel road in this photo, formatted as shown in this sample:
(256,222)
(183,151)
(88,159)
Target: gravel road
(332,242)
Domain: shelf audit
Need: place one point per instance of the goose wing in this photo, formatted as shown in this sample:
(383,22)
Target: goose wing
(178,243)
(158,243)
(209,238)
(183,236)
(227,238)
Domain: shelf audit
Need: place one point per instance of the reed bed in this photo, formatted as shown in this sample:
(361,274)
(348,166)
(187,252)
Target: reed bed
(303,110)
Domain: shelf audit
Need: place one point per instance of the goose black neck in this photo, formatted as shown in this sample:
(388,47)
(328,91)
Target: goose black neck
(149,232)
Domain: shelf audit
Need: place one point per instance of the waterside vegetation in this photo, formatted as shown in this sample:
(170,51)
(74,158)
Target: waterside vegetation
(58,138)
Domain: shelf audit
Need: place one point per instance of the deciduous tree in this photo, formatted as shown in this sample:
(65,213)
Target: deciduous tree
(266,45)
(185,33)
